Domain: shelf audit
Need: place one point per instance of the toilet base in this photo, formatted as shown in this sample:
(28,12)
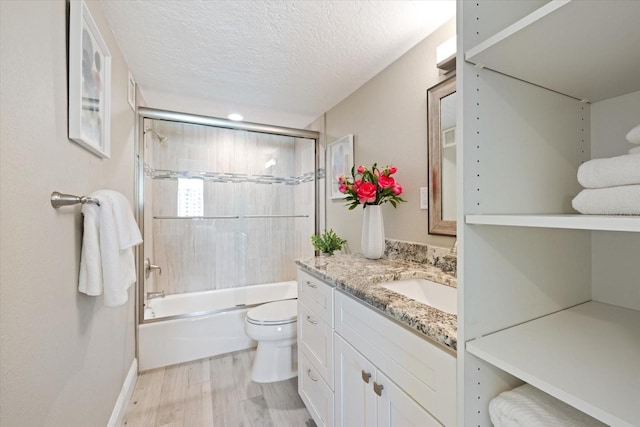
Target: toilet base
(275,361)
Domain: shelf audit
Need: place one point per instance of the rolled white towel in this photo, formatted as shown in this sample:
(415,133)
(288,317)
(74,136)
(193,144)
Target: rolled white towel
(530,407)
(611,172)
(635,150)
(634,135)
(622,200)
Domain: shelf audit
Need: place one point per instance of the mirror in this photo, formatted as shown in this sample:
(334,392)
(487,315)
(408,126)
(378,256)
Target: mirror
(441,105)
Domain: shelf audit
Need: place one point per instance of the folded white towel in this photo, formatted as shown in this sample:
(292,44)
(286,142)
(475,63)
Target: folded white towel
(530,407)
(611,172)
(634,135)
(635,150)
(623,200)
(107,263)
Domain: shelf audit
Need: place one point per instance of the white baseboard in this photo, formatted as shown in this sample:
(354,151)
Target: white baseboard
(119,410)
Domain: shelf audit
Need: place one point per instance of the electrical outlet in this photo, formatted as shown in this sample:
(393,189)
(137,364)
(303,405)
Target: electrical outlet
(424,197)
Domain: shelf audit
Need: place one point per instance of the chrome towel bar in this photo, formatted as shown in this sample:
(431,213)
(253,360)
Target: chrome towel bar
(60,199)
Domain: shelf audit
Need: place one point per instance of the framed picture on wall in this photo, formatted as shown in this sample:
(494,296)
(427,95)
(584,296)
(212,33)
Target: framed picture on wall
(339,163)
(89,83)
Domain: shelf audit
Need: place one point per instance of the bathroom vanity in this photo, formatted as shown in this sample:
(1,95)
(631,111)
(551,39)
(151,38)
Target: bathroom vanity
(368,355)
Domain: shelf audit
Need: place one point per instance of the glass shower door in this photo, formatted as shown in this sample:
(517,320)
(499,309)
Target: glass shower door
(224,208)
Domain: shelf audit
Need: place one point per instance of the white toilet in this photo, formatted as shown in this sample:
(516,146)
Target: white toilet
(275,326)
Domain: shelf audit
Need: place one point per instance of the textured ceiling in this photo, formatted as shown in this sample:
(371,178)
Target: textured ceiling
(296,57)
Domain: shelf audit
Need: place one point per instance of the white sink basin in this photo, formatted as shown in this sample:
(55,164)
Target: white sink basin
(442,297)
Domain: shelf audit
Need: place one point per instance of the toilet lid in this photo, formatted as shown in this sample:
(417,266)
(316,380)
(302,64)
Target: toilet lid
(274,312)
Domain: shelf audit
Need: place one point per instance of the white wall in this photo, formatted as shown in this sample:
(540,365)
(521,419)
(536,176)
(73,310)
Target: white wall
(210,108)
(388,117)
(614,273)
(64,356)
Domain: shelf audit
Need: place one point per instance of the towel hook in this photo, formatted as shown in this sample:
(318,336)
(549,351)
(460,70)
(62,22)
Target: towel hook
(60,199)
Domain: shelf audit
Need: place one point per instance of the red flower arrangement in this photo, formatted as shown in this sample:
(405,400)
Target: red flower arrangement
(371,186)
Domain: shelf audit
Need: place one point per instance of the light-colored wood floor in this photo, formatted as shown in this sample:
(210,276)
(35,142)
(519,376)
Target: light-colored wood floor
(214,392)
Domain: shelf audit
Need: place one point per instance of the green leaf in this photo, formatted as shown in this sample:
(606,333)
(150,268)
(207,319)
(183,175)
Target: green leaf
(327,242)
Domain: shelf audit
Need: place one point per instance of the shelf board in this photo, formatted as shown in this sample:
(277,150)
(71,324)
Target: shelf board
(584,49)
(566,221)
(586,356)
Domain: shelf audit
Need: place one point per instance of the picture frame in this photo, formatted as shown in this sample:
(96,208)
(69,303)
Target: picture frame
(339,163)
(89,83)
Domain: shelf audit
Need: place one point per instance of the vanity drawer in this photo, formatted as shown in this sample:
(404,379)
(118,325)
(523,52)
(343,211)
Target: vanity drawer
(316,295)
(315,339)
(315,393)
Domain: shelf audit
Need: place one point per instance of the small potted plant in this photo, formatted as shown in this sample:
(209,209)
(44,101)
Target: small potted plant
(327,242)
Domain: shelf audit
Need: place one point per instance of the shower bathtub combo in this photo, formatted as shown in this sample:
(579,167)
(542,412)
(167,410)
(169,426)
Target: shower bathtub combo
(196,325)
(221,203)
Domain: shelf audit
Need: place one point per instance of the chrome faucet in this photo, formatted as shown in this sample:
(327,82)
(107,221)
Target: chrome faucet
(152,295)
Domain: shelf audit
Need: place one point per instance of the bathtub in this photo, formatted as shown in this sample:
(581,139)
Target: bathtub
(184,327)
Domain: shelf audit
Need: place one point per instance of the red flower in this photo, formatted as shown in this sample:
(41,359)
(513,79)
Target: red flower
(386,181)
(370,186)
(366,192)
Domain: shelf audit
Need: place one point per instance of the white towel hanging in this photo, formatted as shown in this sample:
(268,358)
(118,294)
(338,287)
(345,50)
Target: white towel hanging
(107,263)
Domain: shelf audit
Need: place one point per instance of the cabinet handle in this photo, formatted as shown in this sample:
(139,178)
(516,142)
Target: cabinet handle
(311,284)
(313,322)
(311,376)
(377,388)
(366,376)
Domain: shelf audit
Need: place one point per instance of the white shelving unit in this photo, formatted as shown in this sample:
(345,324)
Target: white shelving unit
(593,365)
(568,221)
(541,303)
(569,49)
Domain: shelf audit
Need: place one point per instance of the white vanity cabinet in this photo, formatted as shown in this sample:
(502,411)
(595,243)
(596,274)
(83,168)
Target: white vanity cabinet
(366,397)
(315,347)
(387,375)
(358,368)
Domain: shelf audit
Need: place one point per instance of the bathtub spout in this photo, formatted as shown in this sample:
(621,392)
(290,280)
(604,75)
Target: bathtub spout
(152,295)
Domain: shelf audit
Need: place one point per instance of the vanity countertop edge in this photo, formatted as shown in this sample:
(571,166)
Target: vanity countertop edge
(360,277)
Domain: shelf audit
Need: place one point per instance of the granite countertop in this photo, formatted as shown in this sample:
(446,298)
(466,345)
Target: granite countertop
(360,277)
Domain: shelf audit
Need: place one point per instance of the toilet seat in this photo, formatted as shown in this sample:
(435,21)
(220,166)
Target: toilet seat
(274,313)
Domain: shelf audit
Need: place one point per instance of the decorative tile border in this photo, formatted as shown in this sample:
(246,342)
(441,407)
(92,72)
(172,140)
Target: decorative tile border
(231,177)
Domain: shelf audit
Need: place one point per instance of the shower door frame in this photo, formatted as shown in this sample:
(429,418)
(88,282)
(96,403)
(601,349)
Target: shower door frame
(173,116)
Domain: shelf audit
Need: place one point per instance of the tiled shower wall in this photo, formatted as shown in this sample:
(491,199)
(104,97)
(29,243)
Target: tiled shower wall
(208,254)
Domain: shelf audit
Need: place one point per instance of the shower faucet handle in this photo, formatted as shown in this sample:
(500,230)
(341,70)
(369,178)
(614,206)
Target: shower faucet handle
(148,267)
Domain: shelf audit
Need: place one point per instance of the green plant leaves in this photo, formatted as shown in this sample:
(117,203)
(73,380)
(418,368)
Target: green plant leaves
(328,242)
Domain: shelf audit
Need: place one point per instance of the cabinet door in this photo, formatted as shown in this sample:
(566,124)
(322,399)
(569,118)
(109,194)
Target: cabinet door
(397,409)
(354,398)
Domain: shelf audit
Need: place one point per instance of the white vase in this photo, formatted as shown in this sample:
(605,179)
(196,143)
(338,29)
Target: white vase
(372,232)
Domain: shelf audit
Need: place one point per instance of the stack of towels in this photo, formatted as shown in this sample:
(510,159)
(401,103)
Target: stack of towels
(526,406)
(612,186)
(107,264)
